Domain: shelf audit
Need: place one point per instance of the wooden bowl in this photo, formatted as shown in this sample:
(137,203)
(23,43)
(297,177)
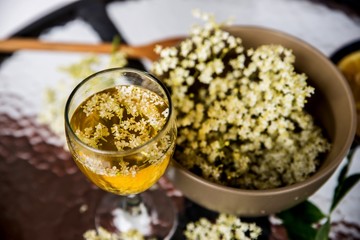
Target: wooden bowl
(332,105)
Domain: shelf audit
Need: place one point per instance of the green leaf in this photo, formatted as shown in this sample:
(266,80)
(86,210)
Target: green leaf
(341,179)
(307,212)
(343,173)
(343,188)
(296,229)
(344,183)
(323,232)
(299,220)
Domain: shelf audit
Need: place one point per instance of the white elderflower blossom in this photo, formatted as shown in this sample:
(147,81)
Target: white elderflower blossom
(56,96)
(103,234)
(226,226)
(240,112)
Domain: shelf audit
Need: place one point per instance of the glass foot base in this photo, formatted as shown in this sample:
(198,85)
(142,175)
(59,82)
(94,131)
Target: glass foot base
(151,213)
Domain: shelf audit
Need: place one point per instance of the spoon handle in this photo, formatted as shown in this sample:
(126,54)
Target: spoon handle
(141,51)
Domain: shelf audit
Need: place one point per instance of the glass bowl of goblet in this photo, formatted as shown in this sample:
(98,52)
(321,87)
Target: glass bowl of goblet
(121,131)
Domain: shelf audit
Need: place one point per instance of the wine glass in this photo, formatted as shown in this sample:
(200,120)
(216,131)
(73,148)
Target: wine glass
(120,129)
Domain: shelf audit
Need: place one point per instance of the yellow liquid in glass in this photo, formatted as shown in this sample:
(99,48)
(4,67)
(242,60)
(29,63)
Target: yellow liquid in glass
(126,184)
(120,119)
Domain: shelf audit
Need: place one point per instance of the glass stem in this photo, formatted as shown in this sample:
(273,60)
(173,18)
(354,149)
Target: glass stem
(132,203)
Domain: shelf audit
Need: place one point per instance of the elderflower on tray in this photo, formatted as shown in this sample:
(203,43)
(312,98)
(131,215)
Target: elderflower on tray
(240,112)
(103,234)
(226,226)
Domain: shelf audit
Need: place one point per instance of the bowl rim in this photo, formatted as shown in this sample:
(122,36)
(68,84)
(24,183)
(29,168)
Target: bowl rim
(315,177)
(344,50)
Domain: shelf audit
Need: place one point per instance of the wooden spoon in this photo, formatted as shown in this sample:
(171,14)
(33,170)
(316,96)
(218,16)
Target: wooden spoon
(141,51)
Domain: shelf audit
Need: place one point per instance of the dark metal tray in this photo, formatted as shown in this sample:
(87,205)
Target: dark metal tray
(41,190)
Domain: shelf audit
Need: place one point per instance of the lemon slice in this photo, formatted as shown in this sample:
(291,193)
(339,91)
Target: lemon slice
(350,67)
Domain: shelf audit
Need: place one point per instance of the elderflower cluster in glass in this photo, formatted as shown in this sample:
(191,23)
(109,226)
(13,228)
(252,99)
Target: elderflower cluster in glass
(55,96)
(240,112)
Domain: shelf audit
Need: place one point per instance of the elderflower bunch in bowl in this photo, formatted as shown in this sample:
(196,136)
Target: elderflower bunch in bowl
(264,119)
